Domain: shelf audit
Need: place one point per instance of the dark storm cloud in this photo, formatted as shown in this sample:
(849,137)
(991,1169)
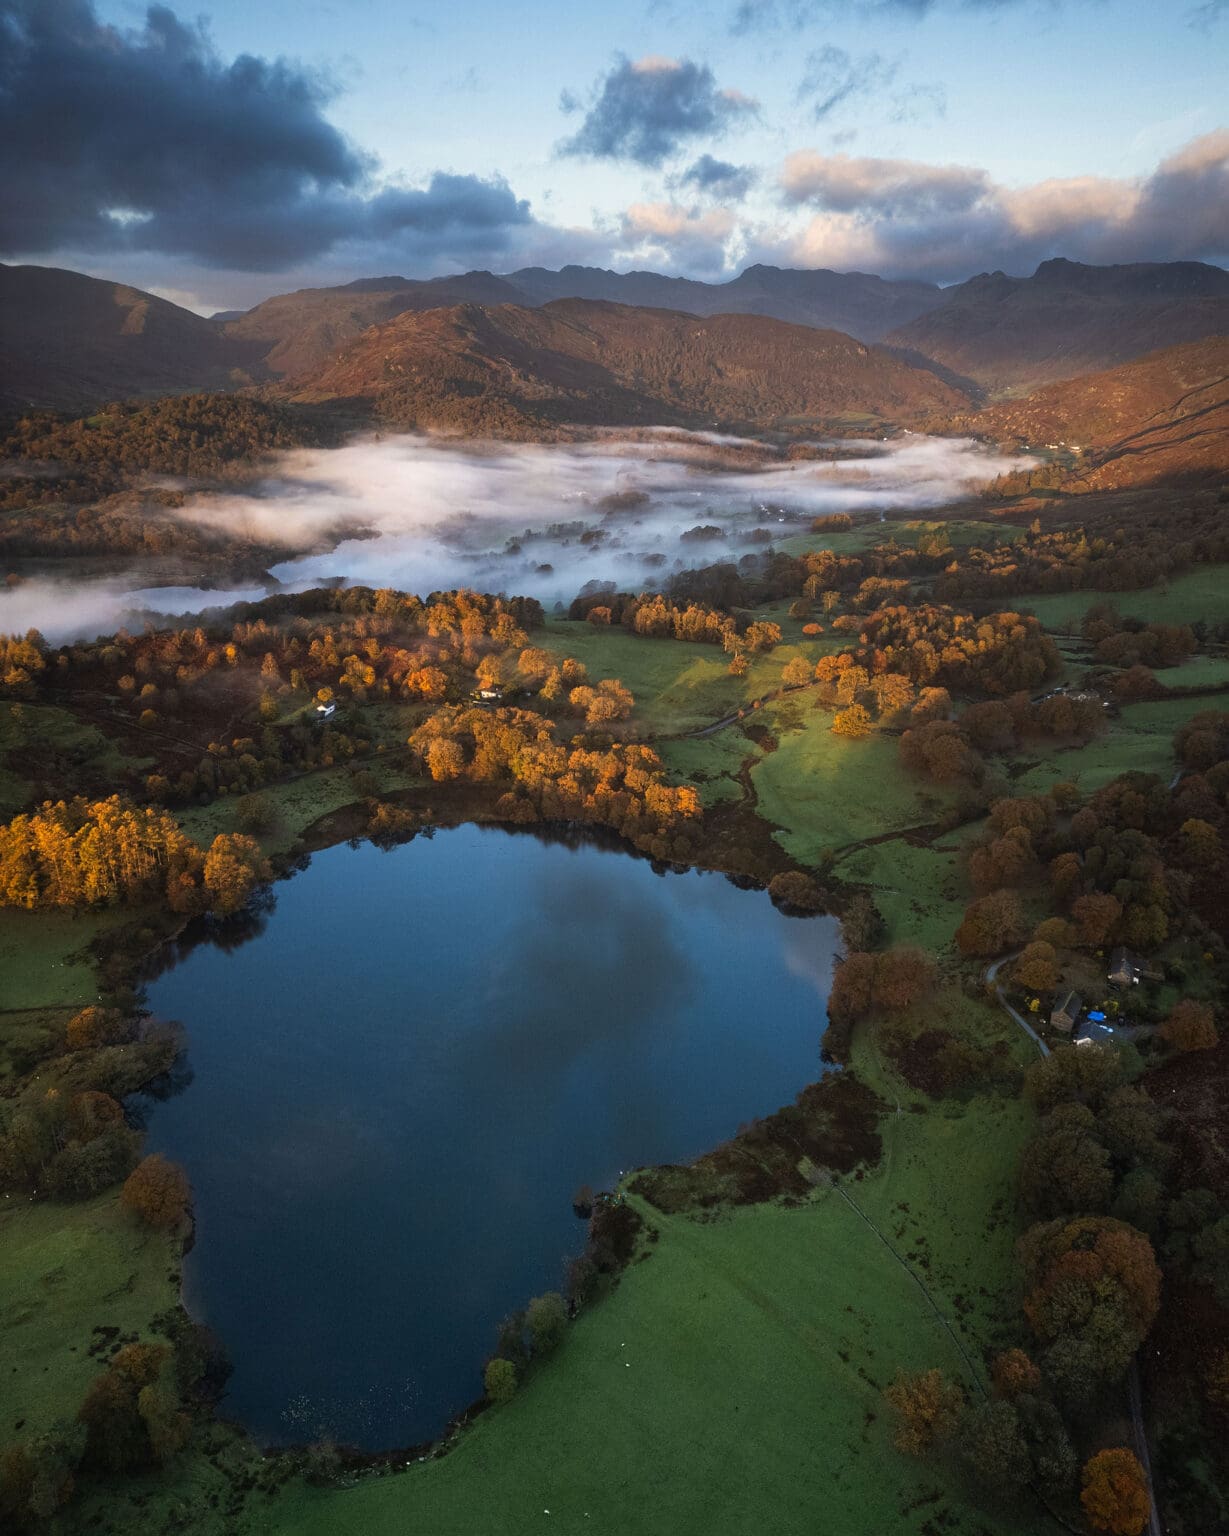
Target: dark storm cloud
(643,110)
(718,178)
(117,141)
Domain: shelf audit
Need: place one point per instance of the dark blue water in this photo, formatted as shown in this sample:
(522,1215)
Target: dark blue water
(399,1084)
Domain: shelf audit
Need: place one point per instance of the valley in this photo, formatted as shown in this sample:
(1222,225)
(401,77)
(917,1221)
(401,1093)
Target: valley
(558,745)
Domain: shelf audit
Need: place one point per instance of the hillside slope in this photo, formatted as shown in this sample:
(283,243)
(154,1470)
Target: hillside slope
(71,342)
(305,330)
(519,372)
(1161,418)
(858,303)
(1013,334)
(298,333)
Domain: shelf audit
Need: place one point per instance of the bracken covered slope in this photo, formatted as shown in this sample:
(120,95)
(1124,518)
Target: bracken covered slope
(520,372)
(298,333)
(71,342)
(1161,418)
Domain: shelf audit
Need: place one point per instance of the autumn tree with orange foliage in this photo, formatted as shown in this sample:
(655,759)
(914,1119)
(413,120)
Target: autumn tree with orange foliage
(1094,1289)
(234,867)
(1190,1027)
(852,723)
(80,853)
(991,924)
(1115,1493)
(94,1026)
(157,1192)
(620,785)
(1037,967)
(1013,1373)
(891,981)
(928,1407)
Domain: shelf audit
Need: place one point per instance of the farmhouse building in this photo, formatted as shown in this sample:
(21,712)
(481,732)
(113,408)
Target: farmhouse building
(1124,968)
(1066,1011)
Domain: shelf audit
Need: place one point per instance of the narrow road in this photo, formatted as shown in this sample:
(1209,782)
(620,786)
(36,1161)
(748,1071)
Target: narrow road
(1140,1436)
(990,974)
(1134,1390)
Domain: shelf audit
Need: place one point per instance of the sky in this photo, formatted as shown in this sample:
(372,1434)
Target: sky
(222,154)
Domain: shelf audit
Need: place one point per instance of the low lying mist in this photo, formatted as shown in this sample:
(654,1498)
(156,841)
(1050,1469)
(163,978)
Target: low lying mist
(540,520)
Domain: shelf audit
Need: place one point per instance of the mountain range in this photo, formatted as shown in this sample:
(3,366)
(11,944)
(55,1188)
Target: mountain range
(1103,355)
(515,371)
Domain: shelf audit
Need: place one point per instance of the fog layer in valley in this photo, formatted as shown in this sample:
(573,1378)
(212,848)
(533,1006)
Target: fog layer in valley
(540,520)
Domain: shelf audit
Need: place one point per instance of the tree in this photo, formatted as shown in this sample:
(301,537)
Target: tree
(1074,1074)
(991,924)
(95,1026)
(932,704)
(1200,844)
(256,813)
(445,759)
(1037,967)
(1210,1251)
(1064,1168)
(547,1319)
(852,722)
(1056,932)
(940,750)
(893,692)
(928,1408)
(117,1436)
(796,672)
(892,981)
(1013,1373)
(38,1476)
(1096,916)
(157,1192)
(165,1423)
(1115,1493)
(1054,1461)
(1094,1288)
(993,1445)
(234,867)
(794,888)
(1190,1027)
(499,1380)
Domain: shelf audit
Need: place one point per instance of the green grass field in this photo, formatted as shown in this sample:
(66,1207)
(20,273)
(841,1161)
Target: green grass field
(1202,593)
(43,958)
(678,686)
(1139,741)
(921,891)
(64,1271)
(825,792)
(1198,672)
(711,763)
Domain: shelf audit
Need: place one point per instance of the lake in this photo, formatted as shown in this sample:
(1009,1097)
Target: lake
(401,1080)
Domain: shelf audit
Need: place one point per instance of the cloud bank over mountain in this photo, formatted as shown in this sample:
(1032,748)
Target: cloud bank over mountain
(150,154)
(905,218)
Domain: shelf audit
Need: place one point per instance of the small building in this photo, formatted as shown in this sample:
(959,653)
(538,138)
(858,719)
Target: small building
(1097,1030)
(1124,969)
(324,711)
(1066,1012)
(491,695)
